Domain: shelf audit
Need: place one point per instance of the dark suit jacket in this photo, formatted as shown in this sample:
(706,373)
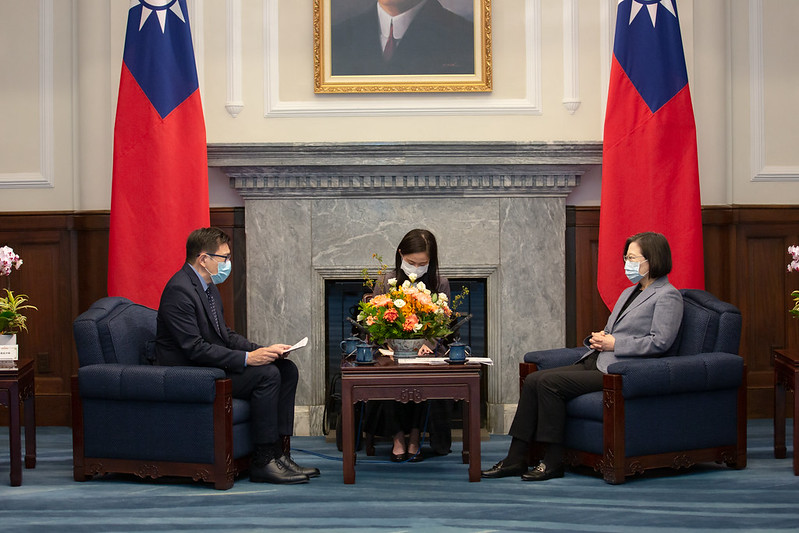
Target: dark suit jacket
(186,334)
(437,42)
(647,327)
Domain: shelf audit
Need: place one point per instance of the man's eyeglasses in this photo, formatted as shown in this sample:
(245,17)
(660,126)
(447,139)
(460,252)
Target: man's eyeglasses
(225,257)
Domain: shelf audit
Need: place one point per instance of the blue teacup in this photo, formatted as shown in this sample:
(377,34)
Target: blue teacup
(364,353)
(349,345)
(459,351)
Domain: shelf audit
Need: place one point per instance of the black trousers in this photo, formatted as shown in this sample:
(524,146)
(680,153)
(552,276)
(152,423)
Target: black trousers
(541,413)
(270,389)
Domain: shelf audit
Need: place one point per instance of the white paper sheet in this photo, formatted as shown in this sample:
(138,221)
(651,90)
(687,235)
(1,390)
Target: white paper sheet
(440,360)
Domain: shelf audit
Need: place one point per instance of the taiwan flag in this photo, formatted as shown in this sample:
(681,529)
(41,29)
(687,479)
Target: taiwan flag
(160,176)
(650,173)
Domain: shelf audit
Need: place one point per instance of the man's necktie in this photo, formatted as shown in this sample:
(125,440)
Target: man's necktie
(212,305)
(391,44)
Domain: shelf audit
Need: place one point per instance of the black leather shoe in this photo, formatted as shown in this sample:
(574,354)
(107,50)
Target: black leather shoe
(274,471)
(415,457)
(289,463)
(398,457)
(502,470)
(542,473)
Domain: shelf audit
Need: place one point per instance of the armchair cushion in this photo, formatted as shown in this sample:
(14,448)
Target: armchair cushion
(149,383)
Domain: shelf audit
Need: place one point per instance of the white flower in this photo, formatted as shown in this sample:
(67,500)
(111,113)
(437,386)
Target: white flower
(412,277)
(418,327)
(392,282)
(442,297)
(406,284)
(421,286)
(399,304)
(361,316)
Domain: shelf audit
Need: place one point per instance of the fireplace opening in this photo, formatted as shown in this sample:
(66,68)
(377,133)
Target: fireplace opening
(341,302)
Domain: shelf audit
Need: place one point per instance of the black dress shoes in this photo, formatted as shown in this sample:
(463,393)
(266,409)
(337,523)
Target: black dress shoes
(542,473)
(398,457)
(289,463)
(275,471)
(504,470)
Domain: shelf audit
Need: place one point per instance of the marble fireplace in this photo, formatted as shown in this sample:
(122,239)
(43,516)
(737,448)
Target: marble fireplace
(317,212)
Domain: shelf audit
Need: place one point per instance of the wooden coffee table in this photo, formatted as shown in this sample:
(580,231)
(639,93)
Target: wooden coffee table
(388,380)
(786,377)
(16,385)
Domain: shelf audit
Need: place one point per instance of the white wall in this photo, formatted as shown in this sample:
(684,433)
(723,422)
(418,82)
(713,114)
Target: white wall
(61,64)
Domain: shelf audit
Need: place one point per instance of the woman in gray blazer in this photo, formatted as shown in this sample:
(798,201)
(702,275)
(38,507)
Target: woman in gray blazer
(644,323)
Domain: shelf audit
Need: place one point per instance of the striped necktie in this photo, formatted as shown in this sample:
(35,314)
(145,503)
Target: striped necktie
(212,305)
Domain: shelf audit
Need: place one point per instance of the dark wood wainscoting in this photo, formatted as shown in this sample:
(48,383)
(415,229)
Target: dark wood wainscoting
(66,256)
(66,269)
(745,264)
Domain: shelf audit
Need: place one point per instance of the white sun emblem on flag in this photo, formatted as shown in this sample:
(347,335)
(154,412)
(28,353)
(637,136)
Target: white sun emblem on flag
(159,7)
(652,7)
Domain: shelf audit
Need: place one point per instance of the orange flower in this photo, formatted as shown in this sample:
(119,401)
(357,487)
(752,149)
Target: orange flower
(410,322)
(390,315)
(381,300)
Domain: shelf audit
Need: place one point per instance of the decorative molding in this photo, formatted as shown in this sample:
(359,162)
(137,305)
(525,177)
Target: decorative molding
(571,55)
(392,105)
(197,22)
(361,170)
(44,178)
(760,170)
(234,103)
(607,10)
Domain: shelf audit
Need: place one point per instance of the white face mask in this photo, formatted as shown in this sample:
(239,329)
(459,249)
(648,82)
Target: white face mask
(409,269)
(631,269)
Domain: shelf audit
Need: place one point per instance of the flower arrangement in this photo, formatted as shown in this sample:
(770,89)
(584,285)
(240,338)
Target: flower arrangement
(793,266)
(11,305)
(407,311)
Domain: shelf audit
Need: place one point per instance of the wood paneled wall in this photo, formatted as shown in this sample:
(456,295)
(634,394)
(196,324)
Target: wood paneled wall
(745,264)
(66,256)
(65,269)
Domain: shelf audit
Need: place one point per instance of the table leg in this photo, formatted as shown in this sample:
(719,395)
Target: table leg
(474,432)
(30,432)
(779,416)
(14,435)
(348,438)
(465,413)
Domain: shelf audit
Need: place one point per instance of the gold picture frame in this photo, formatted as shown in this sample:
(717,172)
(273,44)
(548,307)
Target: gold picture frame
(348,59)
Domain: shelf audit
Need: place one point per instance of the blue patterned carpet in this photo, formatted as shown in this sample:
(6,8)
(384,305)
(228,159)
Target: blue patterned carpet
(433,495)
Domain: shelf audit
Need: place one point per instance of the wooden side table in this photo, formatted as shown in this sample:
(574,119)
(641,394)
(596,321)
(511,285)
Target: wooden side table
(388,380)
(786,377)
(16,387)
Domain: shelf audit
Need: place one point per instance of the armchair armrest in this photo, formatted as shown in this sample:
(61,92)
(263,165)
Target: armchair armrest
(149,383)
(679,374)
(544,359)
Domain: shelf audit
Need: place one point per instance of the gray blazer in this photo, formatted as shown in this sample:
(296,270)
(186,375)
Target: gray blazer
(647,327)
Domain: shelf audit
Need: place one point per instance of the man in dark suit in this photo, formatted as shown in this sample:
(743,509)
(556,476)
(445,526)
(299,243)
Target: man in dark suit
(191,331)
(403,37)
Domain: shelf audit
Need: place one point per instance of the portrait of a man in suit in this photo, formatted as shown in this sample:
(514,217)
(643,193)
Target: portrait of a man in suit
(403,37)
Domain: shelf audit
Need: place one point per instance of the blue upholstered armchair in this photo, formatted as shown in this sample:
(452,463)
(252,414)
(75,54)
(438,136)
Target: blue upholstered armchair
(685,407)
(129,416)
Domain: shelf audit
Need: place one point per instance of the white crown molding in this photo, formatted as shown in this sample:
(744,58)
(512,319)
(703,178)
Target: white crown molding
(606,11)
(760,171)
(44,178)
(197,20)
(356,105)
(234,103)
(571,55)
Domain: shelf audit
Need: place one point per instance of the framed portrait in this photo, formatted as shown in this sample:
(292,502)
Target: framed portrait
(402,46)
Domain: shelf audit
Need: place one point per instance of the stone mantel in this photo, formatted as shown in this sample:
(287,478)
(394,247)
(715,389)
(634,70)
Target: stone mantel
(317,212)
(441,169)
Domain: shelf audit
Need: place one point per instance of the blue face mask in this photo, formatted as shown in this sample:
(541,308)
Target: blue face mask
(631,270)
(223,271)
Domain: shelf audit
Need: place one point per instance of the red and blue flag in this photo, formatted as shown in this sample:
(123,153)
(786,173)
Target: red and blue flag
(650,171)
(160,174)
